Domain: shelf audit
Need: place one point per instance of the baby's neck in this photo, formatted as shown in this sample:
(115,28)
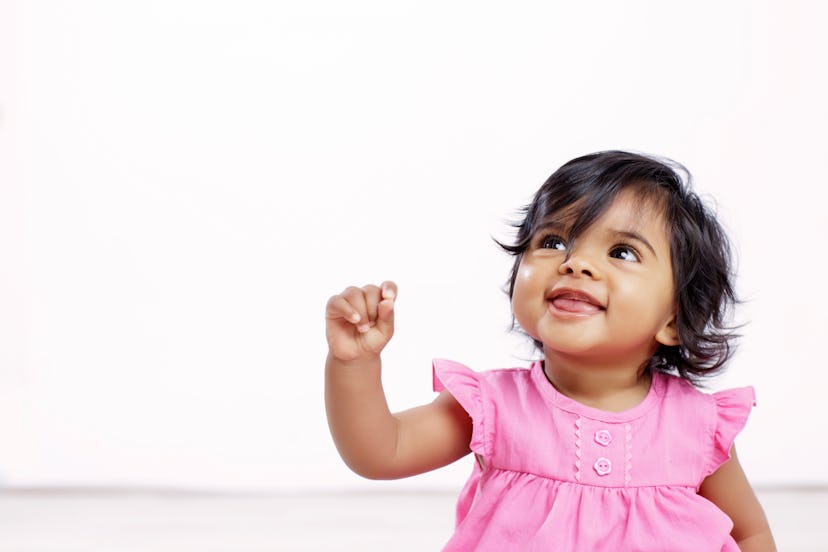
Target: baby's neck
(612,389)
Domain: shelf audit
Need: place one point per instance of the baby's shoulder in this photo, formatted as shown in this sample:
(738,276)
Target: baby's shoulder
(674,387)
(507,378)
(506,373)
(491,383)
(687,401)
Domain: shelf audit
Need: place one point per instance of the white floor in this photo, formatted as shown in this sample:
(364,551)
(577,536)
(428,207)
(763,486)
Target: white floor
(58,521)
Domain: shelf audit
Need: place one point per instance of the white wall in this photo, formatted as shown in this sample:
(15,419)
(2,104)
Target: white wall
(185,183)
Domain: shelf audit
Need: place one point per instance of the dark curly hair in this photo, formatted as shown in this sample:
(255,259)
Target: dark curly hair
(700,250)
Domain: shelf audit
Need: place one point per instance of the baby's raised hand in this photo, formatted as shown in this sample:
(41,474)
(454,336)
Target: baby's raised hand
(359,322)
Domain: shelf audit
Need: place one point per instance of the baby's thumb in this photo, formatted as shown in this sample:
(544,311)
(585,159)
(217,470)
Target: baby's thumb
(385,311)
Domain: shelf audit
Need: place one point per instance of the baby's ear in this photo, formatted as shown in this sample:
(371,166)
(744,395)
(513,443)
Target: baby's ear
(668,334)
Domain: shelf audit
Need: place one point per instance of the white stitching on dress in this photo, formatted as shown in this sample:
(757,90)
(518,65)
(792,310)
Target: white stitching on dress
(628,446)
(578,452)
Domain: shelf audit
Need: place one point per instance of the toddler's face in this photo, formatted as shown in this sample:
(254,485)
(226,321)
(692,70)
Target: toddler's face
(607,296)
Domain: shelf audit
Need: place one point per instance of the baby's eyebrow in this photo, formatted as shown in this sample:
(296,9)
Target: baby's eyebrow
(632,235)
(550,225)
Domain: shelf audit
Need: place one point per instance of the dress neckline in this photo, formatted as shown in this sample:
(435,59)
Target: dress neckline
(559,400)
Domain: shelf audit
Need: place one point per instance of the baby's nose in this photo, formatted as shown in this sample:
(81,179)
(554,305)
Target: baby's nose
(579,265)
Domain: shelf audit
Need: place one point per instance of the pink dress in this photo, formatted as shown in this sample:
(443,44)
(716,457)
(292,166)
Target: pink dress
(554,474)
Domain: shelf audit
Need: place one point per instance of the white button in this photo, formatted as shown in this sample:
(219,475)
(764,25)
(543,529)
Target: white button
(603,466)
(603,437)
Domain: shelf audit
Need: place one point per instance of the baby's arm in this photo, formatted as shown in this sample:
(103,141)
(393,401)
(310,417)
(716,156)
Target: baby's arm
(729,489)
(372,441)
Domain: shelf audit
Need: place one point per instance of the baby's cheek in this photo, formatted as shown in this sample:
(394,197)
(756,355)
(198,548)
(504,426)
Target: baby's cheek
(526,271)
(528,303)
(525,286)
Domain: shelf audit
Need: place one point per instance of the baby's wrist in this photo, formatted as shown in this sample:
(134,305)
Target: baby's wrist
(361,362)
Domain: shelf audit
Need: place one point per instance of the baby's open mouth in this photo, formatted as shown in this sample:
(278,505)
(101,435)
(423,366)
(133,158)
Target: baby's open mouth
(575,302)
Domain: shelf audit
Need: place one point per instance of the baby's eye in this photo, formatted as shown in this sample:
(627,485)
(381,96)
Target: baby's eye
(552,242)
(625,253)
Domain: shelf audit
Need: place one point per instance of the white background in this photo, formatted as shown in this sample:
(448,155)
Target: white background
(183,184)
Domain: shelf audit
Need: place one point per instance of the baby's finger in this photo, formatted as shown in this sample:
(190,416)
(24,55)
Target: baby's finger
(348,305)
(385,315)
(389,290)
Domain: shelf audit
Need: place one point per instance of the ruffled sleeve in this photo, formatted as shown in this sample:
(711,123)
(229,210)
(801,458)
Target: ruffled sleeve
(465,385)
(732,410)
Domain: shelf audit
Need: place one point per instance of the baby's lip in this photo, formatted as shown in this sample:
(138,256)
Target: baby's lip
(574,295)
